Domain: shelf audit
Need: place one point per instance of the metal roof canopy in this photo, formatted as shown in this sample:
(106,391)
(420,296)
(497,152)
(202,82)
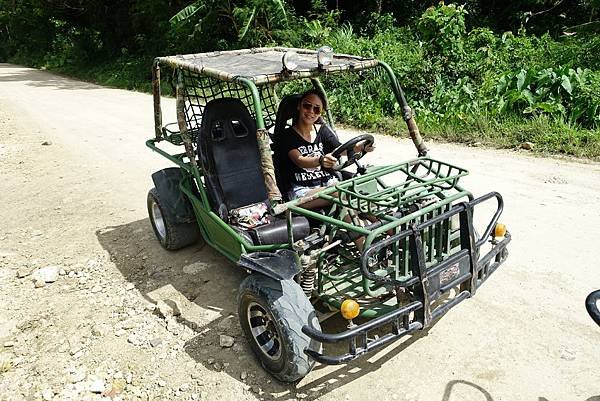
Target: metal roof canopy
(264,65)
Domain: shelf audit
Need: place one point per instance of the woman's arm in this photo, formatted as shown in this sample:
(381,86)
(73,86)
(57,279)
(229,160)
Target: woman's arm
(327,161)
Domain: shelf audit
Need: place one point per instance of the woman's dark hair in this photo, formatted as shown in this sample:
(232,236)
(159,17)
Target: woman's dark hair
(315,92)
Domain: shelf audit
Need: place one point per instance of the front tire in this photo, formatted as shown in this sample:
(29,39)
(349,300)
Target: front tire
(272,313)
(170,234)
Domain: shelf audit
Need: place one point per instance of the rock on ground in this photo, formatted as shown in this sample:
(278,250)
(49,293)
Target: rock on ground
(48,274)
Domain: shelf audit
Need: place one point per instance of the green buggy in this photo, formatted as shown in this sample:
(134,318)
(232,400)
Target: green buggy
(421,256)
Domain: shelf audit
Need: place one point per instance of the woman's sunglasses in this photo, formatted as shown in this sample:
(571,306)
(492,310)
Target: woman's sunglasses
(316,109)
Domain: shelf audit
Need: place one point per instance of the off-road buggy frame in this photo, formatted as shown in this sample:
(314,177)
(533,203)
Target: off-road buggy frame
(420,258)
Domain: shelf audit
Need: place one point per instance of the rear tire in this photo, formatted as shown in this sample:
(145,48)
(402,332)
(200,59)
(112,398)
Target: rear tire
(170,234)
(272,314)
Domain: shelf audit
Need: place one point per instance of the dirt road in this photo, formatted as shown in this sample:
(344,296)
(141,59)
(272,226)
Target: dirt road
(78,203)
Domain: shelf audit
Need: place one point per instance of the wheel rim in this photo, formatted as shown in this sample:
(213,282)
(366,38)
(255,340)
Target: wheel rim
(264,333)
(158,220)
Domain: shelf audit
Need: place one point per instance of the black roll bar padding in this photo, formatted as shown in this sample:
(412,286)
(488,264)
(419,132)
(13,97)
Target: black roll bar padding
(592,306)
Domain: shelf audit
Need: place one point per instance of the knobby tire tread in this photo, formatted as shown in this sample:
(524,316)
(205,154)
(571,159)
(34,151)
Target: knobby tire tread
(178,235)
(291,310)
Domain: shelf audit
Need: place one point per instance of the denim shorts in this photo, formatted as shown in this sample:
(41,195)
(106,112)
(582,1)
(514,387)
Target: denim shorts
(299,191)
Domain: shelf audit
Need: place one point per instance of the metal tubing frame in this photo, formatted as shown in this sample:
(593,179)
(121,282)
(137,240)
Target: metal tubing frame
(318,85)
(358,342)
(466,232)
(407,115)
(192,168)
(260,121)
(361,331)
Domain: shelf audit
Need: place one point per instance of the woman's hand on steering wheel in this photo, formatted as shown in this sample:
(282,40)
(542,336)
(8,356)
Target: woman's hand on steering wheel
(368,147)
(348,148)
(329,161)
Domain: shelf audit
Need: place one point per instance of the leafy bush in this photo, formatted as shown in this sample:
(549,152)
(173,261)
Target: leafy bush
(450,101)
(443,31)
(563,93)
(443,28)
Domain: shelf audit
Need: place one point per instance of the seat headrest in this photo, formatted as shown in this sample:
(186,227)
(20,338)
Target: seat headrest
(288,109)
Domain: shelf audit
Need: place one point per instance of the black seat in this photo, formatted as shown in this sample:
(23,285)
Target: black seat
(286,114)
(228,151)
(229,156)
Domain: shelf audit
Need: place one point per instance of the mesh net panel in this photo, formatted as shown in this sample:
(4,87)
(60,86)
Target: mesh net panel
(270,103)
(199,90)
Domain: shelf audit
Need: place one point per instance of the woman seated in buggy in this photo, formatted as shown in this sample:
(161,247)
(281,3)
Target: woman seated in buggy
(307,149)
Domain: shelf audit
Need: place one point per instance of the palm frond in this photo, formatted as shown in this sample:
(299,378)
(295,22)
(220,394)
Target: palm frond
(247,23)
(281,6)
(187,12)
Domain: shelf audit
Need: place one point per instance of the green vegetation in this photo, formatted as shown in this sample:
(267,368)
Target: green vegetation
(501,75)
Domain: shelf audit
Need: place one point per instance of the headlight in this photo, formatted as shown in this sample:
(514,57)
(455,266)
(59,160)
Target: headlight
(324,56)
(290,61)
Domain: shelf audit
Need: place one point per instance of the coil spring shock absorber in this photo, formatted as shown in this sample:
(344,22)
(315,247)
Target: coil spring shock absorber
(309,272)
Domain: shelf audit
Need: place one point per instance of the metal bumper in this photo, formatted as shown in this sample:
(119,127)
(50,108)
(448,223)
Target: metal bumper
(465,270)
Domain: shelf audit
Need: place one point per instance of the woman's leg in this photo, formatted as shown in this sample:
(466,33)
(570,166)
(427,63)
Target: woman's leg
(298,192)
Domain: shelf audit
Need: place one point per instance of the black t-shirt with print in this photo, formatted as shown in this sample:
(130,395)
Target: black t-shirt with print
(325,142)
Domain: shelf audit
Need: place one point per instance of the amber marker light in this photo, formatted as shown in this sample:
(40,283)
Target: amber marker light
(350,309)
(499,230)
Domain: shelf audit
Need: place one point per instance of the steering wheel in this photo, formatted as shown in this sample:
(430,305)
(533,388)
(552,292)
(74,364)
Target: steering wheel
(348,147)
